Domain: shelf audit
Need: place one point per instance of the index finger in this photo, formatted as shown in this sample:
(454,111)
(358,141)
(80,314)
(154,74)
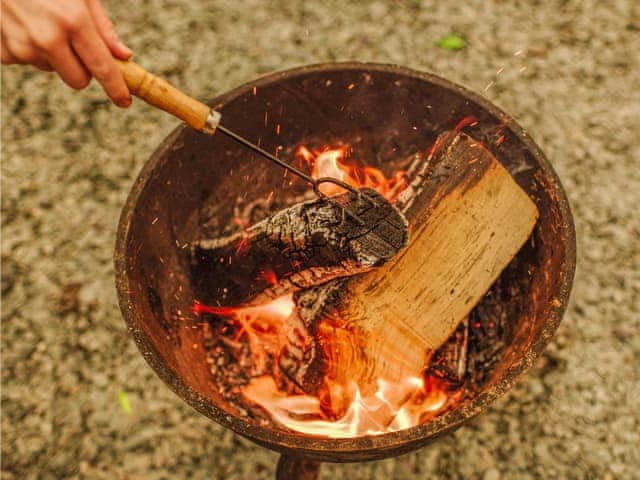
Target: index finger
(97,57)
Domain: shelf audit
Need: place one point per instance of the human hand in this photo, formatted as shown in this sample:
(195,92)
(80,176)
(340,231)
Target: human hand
(73,37)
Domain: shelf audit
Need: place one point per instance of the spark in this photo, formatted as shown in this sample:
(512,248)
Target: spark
(243,245)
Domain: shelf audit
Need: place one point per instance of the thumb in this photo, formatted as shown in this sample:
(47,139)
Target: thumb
(107,31)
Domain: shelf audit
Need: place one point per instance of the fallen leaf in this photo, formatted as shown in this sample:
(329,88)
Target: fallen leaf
(123,398)
(452,42)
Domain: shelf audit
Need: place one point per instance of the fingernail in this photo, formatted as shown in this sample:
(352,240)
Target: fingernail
(126,50)
(125,102)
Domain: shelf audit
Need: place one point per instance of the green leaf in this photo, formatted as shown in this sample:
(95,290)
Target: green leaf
(123,398)
(452,42)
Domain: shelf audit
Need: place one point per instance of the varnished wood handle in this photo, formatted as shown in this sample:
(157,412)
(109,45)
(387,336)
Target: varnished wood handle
(159,93)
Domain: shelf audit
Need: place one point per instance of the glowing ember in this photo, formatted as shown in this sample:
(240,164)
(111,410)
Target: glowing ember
(334,162)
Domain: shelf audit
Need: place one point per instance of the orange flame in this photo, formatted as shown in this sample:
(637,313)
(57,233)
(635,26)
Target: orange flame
(262,325)
(335,163)
(393,407)
(269,276)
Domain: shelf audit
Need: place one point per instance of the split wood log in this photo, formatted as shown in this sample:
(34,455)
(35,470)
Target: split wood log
(468,219)
(301,246)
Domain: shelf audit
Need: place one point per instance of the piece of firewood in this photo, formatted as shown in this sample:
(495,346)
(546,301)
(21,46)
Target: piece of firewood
(301,246)
(468,219)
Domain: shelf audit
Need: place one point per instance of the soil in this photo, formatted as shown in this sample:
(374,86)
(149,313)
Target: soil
(567,70)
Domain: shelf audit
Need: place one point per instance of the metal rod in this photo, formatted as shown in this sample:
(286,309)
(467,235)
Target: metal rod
(267,155)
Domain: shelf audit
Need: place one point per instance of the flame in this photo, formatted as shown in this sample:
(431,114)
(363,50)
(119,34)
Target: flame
(393,407)
(269,276)
(262,325)
(335,163)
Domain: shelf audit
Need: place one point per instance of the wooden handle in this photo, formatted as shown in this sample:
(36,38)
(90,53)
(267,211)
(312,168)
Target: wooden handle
(159,93)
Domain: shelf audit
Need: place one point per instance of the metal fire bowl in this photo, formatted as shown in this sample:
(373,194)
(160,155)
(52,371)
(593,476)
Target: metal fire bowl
(189,186)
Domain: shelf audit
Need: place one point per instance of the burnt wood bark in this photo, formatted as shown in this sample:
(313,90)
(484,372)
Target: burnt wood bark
(468,219)
(301,246)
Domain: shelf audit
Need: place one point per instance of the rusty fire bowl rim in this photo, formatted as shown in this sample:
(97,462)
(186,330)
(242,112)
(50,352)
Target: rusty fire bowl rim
(361,448)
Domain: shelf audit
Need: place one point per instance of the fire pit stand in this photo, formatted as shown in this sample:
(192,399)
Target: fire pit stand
(297,468)
(188,188)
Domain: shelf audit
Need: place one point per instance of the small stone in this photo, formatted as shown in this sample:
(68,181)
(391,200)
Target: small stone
(491,474)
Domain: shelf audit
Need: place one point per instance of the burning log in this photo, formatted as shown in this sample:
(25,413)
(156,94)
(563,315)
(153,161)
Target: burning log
(469,218)
(301,246)
(450,361)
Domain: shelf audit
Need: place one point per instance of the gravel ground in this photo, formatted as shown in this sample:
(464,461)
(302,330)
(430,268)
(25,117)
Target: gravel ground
(70,158)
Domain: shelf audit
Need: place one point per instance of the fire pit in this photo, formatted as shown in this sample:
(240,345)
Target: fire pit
(194,185)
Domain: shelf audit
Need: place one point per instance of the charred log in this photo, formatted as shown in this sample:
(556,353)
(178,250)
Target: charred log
(301,246)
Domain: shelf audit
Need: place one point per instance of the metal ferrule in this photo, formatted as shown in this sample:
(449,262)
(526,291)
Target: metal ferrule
(212,122)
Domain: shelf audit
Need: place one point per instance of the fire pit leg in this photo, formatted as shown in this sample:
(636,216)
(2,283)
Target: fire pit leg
(295,468)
